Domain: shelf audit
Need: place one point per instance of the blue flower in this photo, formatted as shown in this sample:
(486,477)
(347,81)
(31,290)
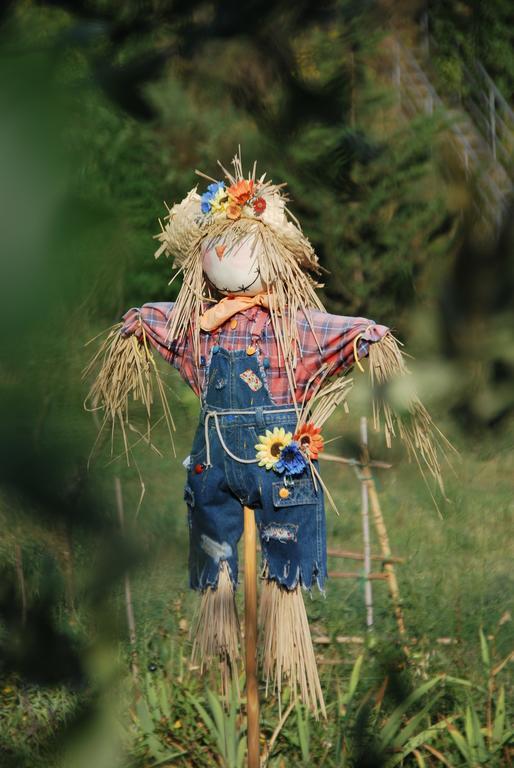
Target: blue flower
(205,203)
(213,188)
(292,461)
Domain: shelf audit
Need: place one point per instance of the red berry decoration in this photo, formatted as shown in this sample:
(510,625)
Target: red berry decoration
(198,469)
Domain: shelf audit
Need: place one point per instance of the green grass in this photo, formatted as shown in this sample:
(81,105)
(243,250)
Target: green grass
(456,580)
(456,576)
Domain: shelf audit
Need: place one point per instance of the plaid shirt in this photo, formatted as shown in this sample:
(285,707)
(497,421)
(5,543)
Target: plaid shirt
(252,327)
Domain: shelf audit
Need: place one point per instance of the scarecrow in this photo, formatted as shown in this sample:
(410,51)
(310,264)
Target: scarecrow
(249,334)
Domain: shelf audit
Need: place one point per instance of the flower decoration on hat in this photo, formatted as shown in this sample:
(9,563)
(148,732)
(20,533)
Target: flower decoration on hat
(241,197)
(309,439)
(270,446)
(243,203)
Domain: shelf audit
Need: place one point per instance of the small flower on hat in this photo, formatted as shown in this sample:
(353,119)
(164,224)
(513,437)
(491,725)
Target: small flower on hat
(309,439)
(241,191)
(220,201)
(291,460)
(259,205)
(215,192)
(233,211)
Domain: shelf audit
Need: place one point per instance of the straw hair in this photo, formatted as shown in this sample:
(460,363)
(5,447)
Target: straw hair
(127,372)
(423,440)
(287,650)
(216,632)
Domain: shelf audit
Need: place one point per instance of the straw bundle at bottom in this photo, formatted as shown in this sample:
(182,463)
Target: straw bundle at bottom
(216,632)
(287,650)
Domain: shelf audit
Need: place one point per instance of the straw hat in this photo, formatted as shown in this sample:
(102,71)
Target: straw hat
(236,206)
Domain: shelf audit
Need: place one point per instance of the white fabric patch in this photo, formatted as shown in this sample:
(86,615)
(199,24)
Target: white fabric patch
(214,549)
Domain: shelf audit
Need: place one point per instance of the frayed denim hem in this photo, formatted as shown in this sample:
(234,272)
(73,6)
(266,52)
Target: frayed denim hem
(209,575)
(291,577)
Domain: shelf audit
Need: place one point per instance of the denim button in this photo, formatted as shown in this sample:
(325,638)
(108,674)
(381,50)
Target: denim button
(265,362)
(215,349)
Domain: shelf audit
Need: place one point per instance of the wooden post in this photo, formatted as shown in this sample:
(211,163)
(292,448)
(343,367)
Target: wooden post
(492,121)
(18,559)
(131,621)
(252,693)
(368,594)
(384,546)
(386,552)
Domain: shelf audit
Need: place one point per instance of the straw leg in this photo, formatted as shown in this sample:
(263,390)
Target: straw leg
(252,694)
(216,635)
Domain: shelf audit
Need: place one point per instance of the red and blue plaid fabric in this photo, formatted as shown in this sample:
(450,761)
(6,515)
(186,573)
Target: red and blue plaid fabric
(335,335)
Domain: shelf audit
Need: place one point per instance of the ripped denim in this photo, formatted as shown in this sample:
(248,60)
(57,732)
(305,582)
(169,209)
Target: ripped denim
(291,523)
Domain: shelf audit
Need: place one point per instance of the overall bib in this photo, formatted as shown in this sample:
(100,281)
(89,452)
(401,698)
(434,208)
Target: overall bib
(223,475)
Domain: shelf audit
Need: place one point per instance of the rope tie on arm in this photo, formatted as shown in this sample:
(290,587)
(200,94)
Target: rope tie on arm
(355,351)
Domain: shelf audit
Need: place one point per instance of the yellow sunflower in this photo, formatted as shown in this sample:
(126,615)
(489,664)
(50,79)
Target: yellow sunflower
(269,446)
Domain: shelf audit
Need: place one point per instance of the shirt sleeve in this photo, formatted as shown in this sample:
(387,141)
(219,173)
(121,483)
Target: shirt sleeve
(154,319)
(334,339)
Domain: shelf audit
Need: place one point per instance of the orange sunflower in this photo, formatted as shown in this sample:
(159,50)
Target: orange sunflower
(309,439)
(242,191)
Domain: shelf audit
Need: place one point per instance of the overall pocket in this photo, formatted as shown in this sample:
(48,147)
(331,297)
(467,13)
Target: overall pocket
(295,493)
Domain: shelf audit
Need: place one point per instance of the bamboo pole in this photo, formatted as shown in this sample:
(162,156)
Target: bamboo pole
(383,538)
(347,554)
(68,569)
(252,694)
(18,559)
(131,621)
(354,575)
(386,551)
(368,593)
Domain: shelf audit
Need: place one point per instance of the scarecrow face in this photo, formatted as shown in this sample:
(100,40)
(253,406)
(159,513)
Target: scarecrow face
(232,265)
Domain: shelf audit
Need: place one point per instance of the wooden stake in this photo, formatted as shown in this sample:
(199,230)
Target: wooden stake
(252,693)
(18,558)
(367,479)
(368,594)
(68,570)
(386,551)
(128,590)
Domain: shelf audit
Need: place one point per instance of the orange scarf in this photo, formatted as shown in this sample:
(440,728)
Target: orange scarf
(230,305)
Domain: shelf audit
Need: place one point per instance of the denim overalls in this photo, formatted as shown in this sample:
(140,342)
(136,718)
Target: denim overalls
(223,475)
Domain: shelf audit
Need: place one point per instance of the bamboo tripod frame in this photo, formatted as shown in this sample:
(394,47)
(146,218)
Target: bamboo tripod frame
(370,502)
